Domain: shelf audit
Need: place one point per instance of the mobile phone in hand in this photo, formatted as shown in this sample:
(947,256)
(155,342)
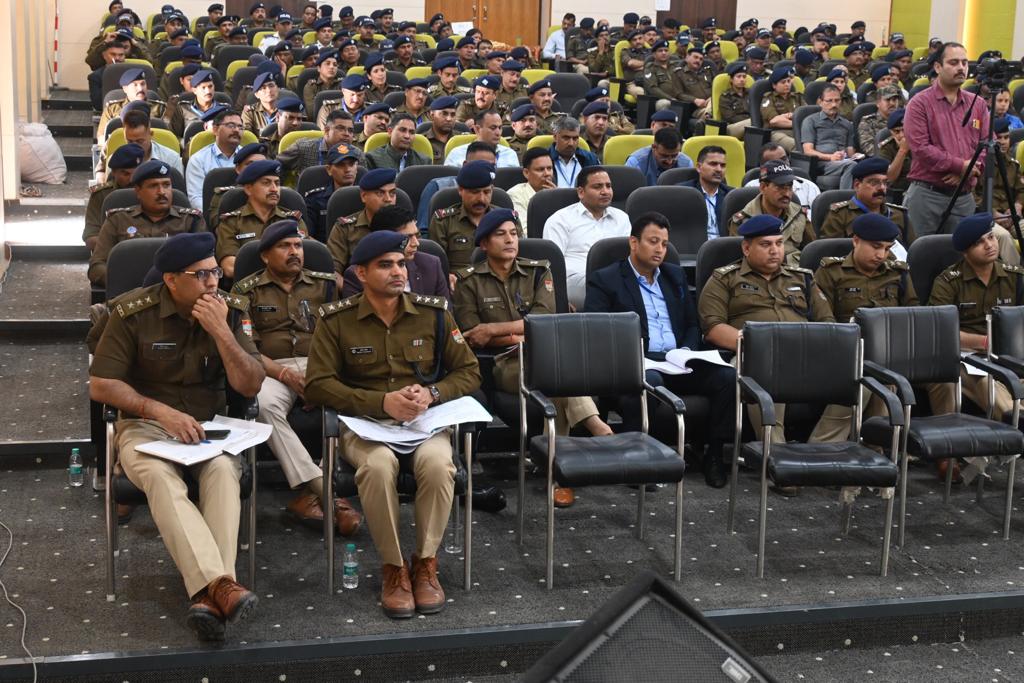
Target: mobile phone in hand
(217,434)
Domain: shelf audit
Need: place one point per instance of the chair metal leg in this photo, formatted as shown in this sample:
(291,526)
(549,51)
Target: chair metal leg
(111,514)
(846,518)
(243,527)
(887,531)
(521,498)
(765,452)
(904,459)
(641,511)
(949,480)
(1009,498)
(679,532)
(252,521)
(730,517)
(467,563)
(551,507)
(327,462)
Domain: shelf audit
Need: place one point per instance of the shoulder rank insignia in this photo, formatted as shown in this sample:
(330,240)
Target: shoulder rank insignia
(433,301)
(950,274)
(899,265)
(534,263)
(229,214)
(797,269)
(727,269)
(239,303)
(223,188)
(320,275)
(831,260)
(463,273)
(128,306)
(335,306)
(739,217)
(314,190)
(189,211)
(896,206)
(447,211)
(243,286)
(835,206)
(1010,268)
(118,209)
(347,220)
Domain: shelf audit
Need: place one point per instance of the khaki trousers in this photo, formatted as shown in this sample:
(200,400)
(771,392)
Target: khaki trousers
(376,477)
(276,400)
(784,138)
(974,387)
(737,129)
(202,540)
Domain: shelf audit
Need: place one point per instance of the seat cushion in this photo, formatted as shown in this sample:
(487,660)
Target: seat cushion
(632,458)
(823,464)
(953,435)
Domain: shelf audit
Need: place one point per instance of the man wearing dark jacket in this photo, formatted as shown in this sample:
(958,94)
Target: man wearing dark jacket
(710,182)
(566,155)
(658,292)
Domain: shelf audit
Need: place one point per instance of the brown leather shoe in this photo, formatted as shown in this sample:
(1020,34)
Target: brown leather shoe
(347,519)
(426,589)
(396,592)
(942,465)
(306,508)
(124,513)
(205,618)
(564,497)
(234,600)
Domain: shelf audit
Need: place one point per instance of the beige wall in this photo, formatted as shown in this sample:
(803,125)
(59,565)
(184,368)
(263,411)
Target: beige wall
(612,10)
(24,80)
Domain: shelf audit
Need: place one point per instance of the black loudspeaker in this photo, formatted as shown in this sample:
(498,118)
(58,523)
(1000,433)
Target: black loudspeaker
(647,632)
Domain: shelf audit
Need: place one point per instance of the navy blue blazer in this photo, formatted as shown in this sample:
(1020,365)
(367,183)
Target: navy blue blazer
(723,190)
(614,289)
(426,276)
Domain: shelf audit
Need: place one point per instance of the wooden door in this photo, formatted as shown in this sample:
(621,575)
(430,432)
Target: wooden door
(693,12)
(515,22)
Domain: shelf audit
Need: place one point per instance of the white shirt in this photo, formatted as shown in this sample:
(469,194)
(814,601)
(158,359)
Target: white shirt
(804,190)
(521,195)
(166,155)
(555,47)
(574,229)
(507,157)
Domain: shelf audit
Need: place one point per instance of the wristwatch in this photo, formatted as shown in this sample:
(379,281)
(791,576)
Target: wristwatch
(434,393)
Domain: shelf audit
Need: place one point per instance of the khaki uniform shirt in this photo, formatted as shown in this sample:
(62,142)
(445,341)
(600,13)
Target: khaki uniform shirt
(126,223)
(773,105)
(436,90)
(452,228)
(214,211)
(467,110)
(960,286)
(283,321)
(1000,199)
(733,107)
(506,97)
(544,122)
(355,359)
(166,357)
(313,87)
(630,54)
(619,124)
(601,62)
(345,235)
(839,220)
(436,145)
(797,230)
(693,85)
(888,150)
(94,208)
(185,112)
(373,95)
(660,81)
(255,118)
(577,47)
(858,78)
(735,295)
(518,145)
(847,105)
(848,289)
(396,65)
(243,225)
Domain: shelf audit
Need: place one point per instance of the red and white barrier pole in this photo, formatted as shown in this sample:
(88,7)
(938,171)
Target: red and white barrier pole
(56,42)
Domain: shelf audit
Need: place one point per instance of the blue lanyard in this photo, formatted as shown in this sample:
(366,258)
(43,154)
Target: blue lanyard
(572,171)
(713,206)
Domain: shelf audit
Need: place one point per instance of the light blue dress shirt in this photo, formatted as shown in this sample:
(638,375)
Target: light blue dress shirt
(204,161)
(659,325)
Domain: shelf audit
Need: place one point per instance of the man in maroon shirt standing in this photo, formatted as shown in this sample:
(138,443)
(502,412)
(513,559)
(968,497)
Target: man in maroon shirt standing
(941,147)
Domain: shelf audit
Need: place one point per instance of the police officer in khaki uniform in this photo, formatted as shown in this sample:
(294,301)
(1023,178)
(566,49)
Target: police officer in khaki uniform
(326,78)
(162,362)
(870,188)
(601,55)
(857,55)
(759,288)
(192,106)
(454,227)
(225,25)
(632,60)
(976,284)
(524,128)
(284,301)
(576,47)
(447,70)
(694,82)
(542,96)
(491,300)
(153,216)
(896,151)
(376,354)
(776,199)
(888,99)
(289,117)
(263,112)
(618,122)
(734,103)
(404,58)
(261,181)
(442,125)
(484,98)
(377,73)
(254,151)
(376,189)
(777,107)
(659,78)
(133,82)
(1000,198)
(512,86)
(122,163)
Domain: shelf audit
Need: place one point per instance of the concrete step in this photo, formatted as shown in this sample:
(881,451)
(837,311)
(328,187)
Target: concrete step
(68,99)
(75,123)
(77,151)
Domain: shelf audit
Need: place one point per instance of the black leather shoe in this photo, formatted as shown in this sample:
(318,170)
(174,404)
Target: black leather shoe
(716,475)
(489,498)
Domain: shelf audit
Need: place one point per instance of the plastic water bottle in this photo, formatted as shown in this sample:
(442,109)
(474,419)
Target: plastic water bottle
(76,476)
(350,567)
(453,532)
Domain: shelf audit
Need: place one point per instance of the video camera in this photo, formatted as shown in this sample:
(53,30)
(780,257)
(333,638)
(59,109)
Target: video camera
(997,72)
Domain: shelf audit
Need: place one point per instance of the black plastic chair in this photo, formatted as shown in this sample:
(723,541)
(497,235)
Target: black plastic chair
(544,204)
(734,202)
(508,177)
(783,363)
(449,196)
(716,253)
(312,177)
(345,201)
(687,213)
(625,181)
(413,180)
(820,206)
(674,176)
(217,177)
(911,345)
(811,255)
(593,354)
(928,256)
(226,54)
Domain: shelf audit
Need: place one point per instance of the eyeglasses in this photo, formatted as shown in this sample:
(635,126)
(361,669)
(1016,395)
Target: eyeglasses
(231,126)
(205,273)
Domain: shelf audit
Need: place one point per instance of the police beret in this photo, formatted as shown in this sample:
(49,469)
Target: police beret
(134,105)
(247,151)
(710,22)
(291,104)
(491,221)
(387,12)
(764,33)
(268,66)
(875,227)
(321,23)
(436,17)
(444,45)
(402,40)
(346,11)
(215,7)
(521,112)
(631,18)
(445,62)
(756,53)
(780,73)
(130,76)
(355,82)
(378,108)
(377,178)
(665,115)
(634,34)
(281,230)
(377,243)
(417,83)
(367,22)
(262,79)
(803,57)
(375,14)
(858,47)
(182,250)
(779,23)
(227,17)
(858,24)
(445,102)
(259,169)
(600,29)
(895,119)
(869,166)
(898,54)
(125,33)
(512,65)
(761,225)
(596,108)
(587,22)
(341,152)
(658,44)
(971,229)
(880,71)
(595,93)
(465,42)
(406,25)
(539,85)
(238,31)
(326,10)
(258,58)
(347,42)
(126,156)
(735,68)
(189,70)
(776,172)
(178,34)
(837,73)
(1001,125)
(475,175)
(372,60)
(324,55)
(255,6)
(489,81)
(748,23)
(519,52)
(782,43)
(211,113)
(191,52)
(154,168)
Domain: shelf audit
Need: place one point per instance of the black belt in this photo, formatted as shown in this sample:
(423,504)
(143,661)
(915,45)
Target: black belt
(941,189)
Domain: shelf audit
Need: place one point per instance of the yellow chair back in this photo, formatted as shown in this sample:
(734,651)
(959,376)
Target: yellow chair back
(618,148)
(547,140)
(206,138)
(735,156)
(417,72)
(730,50)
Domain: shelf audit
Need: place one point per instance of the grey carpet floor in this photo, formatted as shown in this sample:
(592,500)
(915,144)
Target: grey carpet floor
(45,391)
(45,290)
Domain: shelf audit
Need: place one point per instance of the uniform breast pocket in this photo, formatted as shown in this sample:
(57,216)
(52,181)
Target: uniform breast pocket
(419,353)
(265,315)
(796,298)
(160,351)
(362,355)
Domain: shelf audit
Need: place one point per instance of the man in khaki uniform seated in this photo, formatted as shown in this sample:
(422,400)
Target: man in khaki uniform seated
(133,82)
(162,362)
(776,199)
(376,189)
(870,187)
(122,165)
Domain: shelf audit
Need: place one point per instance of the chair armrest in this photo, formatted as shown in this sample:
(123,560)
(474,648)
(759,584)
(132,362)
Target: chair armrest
(809,161)
(887,376)
(542,402)
(750,389)
(109,413)
(1014,364)
(892,402)
(1006,377)
(667,397)
(331,423)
